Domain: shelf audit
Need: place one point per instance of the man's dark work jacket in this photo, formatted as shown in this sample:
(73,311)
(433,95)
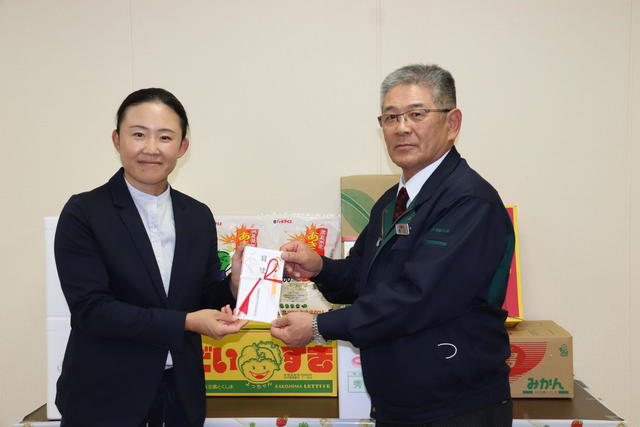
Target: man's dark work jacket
(426,305)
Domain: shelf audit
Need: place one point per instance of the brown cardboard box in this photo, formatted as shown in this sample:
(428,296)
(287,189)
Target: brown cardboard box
(358,194)
(541,360)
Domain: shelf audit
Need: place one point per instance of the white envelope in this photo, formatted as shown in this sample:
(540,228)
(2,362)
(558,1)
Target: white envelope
(260,284)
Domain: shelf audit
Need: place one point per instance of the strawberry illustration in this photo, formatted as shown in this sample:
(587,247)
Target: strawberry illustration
(576,423)
(281,422)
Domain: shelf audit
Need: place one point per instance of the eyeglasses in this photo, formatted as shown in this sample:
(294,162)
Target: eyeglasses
(389,120)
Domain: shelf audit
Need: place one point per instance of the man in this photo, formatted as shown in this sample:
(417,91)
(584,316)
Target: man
(427,276)
(138,266)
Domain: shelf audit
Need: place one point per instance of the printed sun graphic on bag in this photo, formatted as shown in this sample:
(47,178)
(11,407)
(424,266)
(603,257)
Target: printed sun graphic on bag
(314,237)
(242,234)
(259,361)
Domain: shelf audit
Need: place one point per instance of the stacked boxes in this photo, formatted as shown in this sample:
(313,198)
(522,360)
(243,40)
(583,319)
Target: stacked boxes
(358,194)
(58,319)
(542,355)
(310,371)
(252,362)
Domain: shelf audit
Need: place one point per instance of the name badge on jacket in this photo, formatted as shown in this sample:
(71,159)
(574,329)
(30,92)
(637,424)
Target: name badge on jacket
(402,229)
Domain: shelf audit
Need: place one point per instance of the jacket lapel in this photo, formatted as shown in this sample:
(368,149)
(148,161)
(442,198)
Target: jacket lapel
(389,229)
(132,221)
(437,177)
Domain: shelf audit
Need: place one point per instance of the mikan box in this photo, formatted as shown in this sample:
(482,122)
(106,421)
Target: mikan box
(541,360)
(253,363)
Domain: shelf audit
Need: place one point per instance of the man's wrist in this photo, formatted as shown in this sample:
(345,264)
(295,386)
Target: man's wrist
(316,337)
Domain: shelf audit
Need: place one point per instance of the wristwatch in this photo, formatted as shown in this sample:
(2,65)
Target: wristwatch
(317,338)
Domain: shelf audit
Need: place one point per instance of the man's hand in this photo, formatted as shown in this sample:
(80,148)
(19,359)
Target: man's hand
(213,323)
(236,269)
(294,329)
(300,260)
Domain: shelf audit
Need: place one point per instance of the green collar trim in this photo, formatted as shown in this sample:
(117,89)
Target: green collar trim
(388,229)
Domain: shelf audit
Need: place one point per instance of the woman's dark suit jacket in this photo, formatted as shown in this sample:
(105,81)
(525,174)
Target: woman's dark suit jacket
(122,322)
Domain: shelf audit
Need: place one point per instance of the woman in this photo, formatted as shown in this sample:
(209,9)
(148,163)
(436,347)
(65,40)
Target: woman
(138,266)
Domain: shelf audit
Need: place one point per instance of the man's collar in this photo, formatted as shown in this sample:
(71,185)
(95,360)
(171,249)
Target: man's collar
(416,182)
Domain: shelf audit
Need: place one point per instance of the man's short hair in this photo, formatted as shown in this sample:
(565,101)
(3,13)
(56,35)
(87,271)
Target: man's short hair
(430,76)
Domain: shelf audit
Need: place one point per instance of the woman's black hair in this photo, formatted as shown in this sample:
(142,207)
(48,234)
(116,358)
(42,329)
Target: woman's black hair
(153,94)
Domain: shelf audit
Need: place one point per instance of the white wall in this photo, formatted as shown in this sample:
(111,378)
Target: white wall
(283,95)
(630,301)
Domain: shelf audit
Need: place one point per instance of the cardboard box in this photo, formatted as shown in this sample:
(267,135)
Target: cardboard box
(58,318)
(358,194)
(353,399)
(56,304)
(541,360)
(253,363)
(58,330)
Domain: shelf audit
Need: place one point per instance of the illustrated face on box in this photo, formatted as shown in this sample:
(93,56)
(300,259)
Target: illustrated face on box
(259,361)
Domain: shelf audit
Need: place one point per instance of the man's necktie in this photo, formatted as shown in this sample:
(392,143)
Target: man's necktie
(401,203)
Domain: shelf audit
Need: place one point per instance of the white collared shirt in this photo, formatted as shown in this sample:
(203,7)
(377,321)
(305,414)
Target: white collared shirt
(157,216)
(415,183)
